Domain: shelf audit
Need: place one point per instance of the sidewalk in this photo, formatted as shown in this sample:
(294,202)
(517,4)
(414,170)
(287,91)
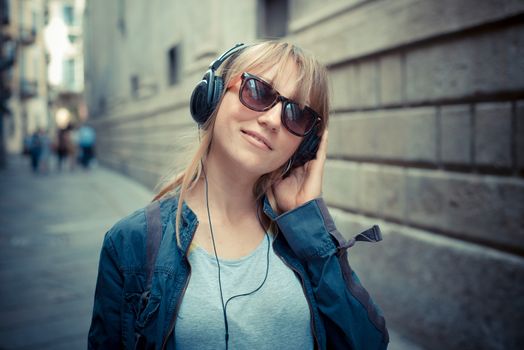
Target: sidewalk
(51,230)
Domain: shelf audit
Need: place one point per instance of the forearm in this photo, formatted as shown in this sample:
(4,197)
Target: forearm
(352,320)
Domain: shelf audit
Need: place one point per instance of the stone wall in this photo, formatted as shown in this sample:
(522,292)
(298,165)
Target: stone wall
(426,138)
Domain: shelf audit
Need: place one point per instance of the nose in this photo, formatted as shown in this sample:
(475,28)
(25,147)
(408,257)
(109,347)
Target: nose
(271,118)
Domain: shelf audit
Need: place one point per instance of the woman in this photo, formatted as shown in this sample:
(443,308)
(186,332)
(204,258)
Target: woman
(249,256)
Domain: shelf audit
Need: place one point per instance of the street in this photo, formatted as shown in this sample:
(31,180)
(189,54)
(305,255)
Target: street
(51,230)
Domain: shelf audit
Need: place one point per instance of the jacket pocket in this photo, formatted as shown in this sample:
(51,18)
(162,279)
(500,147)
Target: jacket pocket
(148,307)
(133,304)
(144,307)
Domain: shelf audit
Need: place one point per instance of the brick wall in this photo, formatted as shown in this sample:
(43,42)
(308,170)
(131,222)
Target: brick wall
(426,138)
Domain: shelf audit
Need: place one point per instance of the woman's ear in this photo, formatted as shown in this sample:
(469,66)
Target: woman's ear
(234,81)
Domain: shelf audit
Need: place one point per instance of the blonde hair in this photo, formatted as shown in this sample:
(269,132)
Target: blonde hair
(312,89)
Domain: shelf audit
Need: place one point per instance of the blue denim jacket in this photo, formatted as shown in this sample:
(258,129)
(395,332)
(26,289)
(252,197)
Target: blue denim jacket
(343,315)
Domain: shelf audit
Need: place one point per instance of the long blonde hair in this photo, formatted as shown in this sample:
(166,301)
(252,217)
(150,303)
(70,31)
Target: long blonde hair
(312,90)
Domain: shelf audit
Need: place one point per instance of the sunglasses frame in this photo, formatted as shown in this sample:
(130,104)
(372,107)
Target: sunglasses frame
(279,98)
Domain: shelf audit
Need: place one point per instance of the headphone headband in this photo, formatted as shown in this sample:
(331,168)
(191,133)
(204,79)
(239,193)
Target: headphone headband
(216,63)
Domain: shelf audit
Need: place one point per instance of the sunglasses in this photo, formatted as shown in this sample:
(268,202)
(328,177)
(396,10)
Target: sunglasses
(260,96)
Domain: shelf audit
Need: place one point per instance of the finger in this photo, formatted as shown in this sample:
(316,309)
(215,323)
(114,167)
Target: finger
(315,170)
(322,149)
(317,165)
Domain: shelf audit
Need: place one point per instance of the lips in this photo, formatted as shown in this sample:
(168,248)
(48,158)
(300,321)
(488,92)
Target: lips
(259,138)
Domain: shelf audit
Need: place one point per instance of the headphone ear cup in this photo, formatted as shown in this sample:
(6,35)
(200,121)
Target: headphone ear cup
(198,104)
(307,150)
(207,93)
(205,97)
(218,87)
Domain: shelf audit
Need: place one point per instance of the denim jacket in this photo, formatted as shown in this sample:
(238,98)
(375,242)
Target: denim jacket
(343,316)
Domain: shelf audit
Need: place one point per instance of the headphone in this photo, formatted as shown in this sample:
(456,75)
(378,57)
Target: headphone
(207,93)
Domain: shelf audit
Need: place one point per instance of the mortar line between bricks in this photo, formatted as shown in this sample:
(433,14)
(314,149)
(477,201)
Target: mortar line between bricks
(473,137)
(515,251)
(454,169)
(499,96)
(436,38)
(513,141)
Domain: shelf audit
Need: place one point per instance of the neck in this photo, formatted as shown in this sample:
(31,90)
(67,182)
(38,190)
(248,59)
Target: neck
(230,192)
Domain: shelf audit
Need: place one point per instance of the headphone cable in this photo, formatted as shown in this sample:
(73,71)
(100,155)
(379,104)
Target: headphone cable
(224,305)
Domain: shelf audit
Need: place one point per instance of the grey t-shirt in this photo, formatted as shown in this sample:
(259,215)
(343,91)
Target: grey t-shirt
(275,317)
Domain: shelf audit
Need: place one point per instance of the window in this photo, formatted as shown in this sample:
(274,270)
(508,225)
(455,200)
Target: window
(34,21)
(46,15)
(135,85)
(4,12)
(173,62)
(121,21)
(102,104)
(69,73)
(69,15)
(272,18)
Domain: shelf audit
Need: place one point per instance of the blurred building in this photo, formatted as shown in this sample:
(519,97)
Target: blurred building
(426,136)
(41,68)
(64,44)
(23,73)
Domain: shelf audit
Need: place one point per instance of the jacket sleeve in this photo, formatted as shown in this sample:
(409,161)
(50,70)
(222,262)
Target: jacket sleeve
(105,331)
(351,319)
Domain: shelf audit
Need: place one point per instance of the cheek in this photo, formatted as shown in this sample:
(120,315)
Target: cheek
(292,144)
(225,114)
(232,109)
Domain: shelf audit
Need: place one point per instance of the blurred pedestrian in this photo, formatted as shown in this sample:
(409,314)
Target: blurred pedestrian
(86,144)
(73,154)
(45,154)
(35,150)
(65,148)
(239,250)
(27,145)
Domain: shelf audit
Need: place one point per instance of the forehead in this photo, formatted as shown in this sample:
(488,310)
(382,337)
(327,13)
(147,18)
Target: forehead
(283,77)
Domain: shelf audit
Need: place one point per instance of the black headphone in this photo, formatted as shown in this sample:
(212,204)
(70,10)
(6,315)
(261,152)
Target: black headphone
(208,92)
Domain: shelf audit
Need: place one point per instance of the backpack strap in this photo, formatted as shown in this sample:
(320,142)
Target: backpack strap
(154,236)
(153,239)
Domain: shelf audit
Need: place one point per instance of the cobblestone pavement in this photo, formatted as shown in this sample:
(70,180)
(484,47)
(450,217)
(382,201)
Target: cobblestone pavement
(51,230)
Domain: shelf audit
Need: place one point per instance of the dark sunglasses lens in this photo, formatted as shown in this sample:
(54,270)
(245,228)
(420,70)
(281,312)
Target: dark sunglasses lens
(257,95)
(297,120)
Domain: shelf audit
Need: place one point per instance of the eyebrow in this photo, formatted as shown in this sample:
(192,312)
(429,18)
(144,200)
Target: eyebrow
(271,82)
(265,79)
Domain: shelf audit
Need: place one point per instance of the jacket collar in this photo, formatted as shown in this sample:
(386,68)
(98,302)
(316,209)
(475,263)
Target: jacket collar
(189,224)
(190,221)
(268,210)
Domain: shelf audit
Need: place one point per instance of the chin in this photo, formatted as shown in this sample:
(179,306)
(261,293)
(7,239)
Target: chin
(255,166)
(241,159)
